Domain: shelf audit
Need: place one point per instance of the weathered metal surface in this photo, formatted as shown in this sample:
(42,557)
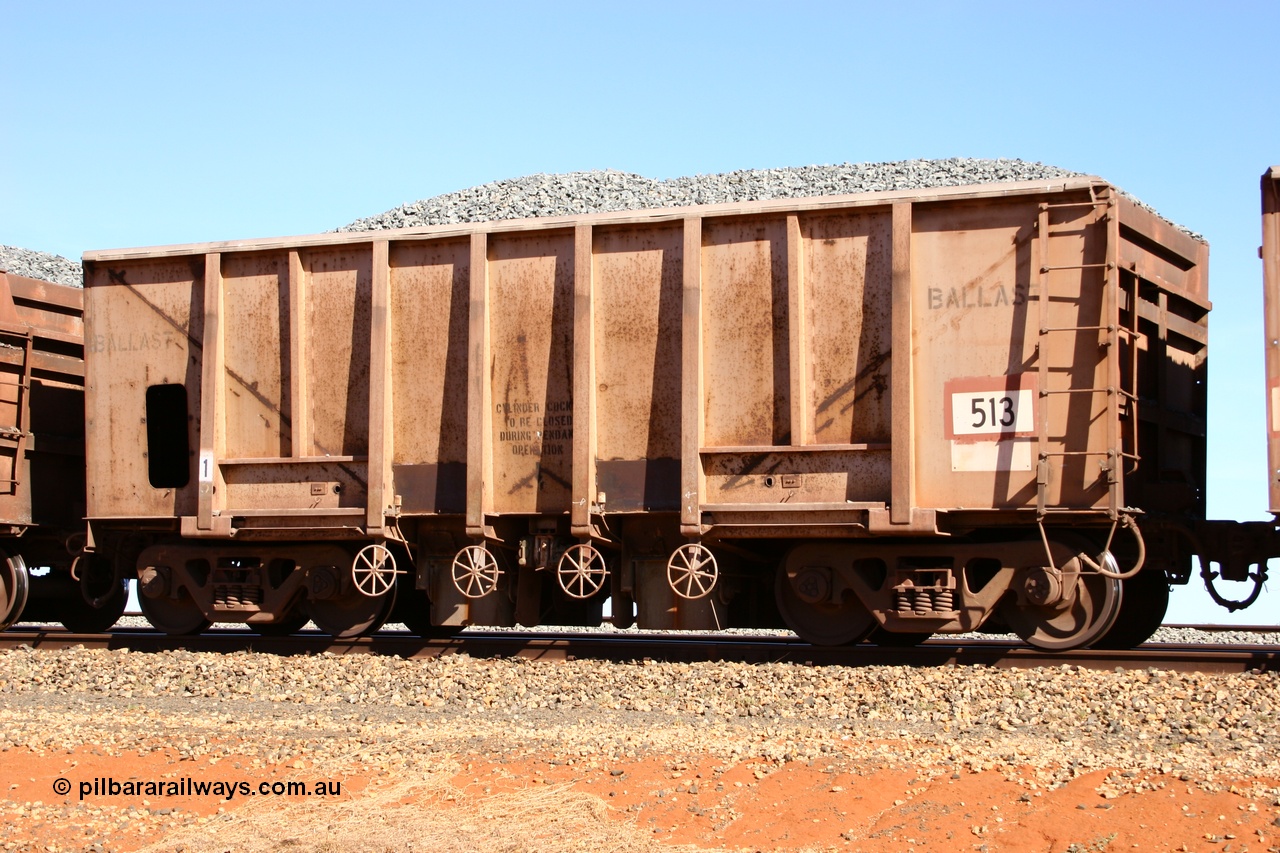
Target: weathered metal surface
(144,326)
(793,355)
(41,405)
(1270,252)
(531,335)
(894,364)
(637,309)
(429,303)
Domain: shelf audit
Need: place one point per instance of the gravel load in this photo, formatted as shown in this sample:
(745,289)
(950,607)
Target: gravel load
(607,190)
(41,265)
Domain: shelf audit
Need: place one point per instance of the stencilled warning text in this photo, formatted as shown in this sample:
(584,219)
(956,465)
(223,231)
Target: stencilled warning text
(535,429)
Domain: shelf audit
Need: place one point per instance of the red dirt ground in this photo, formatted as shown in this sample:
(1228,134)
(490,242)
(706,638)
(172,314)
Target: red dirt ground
(710,804)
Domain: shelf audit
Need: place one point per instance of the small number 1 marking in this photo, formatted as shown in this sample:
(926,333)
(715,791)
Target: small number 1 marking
(206,468)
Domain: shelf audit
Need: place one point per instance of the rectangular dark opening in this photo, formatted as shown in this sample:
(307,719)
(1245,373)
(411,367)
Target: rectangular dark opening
(168,450)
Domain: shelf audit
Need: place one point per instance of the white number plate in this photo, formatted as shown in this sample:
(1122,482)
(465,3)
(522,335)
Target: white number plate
(1002,406)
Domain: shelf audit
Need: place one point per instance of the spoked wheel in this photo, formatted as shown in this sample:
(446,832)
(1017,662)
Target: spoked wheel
(176,614)
(351,615)
(475,571)
(292,623)
(102,597)
(692,571)
(1084,614)
(581,572)
(804,602)
(374,570)
(14,586)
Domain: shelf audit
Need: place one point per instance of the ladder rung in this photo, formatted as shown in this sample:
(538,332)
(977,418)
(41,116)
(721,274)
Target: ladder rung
(1076,267)
(1108,390)
(1123,330)
(1049,510)
(1081,329)
(1046,454)
(1077,391)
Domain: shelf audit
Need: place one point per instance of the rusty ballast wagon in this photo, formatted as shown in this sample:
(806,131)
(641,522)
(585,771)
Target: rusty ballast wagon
(43,572)
(916,412)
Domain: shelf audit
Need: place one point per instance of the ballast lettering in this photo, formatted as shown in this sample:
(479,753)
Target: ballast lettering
(980,296)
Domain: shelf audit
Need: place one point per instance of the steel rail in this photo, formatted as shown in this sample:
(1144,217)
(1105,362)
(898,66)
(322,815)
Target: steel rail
(691,648)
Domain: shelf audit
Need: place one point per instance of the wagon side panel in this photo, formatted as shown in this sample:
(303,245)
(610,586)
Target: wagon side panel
(999,406)
(429,339)
(144,336)
(637,291)
(530,297)
(258,348)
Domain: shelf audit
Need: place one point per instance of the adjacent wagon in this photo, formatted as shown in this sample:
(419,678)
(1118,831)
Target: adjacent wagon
(42,472)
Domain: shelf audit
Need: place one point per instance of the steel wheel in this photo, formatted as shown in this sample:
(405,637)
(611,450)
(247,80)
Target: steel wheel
(1142,611)
(818,621)
(475,571)
(581,572)
(15,583)
(102,597)
(175,614)
(1075,623)
(351,615)
(692,571)
(373,570)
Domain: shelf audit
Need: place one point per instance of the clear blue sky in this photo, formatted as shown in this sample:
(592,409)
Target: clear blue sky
(130,124)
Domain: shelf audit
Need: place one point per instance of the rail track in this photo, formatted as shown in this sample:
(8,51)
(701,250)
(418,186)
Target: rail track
(688,648)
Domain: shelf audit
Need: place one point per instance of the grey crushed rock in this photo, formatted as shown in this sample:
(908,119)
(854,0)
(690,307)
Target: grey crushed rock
(1062,721)
(1224,636)
(41,265)
(607,190)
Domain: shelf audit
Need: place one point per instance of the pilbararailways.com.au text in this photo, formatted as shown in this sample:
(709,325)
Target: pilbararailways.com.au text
(105,786)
